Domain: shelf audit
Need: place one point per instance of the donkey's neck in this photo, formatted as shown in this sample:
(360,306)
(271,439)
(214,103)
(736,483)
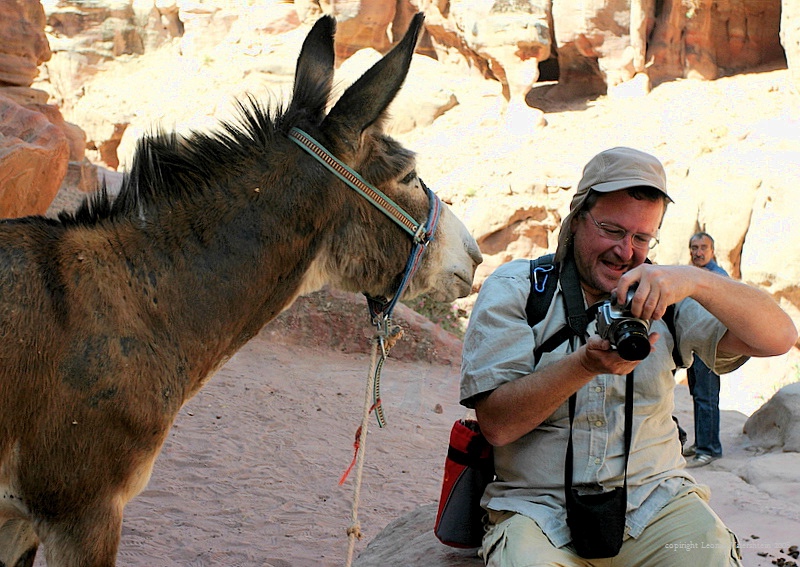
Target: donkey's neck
(205,281)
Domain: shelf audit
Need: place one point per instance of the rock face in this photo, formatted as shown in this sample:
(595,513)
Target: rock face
(776,424)
(712,37)
(588,46)
(24,46)
(35,142)
(790,37)
(34,154)
(512,36)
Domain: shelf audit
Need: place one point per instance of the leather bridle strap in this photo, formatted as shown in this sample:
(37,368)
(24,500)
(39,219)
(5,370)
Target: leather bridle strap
(354,180)
(421,233)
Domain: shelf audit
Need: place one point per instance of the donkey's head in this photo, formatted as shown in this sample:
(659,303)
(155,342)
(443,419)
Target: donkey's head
(368,251)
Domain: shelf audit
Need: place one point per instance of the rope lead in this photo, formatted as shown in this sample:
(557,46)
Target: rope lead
(384,340)
(354,531)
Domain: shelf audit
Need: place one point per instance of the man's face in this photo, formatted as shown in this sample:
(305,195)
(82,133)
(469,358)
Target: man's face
(600,260)
(702,250)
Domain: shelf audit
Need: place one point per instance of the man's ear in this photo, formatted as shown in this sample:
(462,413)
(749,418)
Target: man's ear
(572,223)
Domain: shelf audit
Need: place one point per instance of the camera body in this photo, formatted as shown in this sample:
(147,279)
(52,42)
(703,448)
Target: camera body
(626,333)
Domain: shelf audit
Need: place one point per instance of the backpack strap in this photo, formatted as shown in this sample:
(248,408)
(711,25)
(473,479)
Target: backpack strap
(669,319)
(545,275)
(544,280)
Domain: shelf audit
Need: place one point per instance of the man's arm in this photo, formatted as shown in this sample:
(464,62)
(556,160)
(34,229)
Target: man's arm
(516,408)
(756,324)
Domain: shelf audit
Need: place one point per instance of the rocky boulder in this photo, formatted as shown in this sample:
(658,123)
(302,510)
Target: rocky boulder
(24,46)
(776,424)
(423,98)
(363,23)
(409,540)
(36,143)
(34,154)
(327,319)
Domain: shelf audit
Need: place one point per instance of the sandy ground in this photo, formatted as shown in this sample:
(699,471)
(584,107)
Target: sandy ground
(249,474)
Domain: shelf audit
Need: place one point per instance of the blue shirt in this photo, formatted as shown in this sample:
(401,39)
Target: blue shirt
(712,266)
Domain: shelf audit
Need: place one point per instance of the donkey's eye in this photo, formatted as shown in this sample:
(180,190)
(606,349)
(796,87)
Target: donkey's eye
(409,178)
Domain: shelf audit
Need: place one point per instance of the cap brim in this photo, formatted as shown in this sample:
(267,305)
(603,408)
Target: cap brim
(611,186)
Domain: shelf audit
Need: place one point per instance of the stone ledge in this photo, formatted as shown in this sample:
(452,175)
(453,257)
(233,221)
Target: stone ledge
(409,540)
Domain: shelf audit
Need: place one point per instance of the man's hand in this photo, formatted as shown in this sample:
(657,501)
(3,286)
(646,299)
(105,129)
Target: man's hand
(659,287)
(756,324)
(597,357)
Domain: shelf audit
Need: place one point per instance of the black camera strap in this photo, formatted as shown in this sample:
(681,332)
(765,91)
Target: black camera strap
(577,322)
(545,274)
(596,520)
(577,317)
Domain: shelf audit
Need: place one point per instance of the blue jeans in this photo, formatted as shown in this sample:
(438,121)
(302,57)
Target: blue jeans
(704,387)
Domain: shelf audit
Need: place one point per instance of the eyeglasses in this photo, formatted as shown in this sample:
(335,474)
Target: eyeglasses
(613,232)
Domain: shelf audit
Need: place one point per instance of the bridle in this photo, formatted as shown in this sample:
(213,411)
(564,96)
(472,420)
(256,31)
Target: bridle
(421,233)
(380,308)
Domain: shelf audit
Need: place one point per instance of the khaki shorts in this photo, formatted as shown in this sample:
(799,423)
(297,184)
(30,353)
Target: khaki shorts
(685,532)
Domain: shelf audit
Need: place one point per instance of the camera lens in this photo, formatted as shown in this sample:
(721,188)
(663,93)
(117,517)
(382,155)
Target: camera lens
(631,340)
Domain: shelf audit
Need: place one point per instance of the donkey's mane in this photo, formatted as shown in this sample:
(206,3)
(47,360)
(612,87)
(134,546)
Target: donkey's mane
(168,167)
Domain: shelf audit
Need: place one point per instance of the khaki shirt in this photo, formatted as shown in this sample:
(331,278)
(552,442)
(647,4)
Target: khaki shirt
(498,348)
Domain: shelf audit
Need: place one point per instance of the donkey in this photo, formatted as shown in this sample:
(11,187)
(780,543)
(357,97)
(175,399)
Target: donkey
(113,316)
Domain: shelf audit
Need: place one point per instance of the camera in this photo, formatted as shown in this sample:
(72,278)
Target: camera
(626,333)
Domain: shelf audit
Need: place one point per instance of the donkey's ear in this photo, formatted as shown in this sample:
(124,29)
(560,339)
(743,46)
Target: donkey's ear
(313,77)
(366,99)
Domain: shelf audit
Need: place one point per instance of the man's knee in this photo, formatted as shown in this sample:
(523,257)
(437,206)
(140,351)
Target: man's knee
(688,532)
(514,540)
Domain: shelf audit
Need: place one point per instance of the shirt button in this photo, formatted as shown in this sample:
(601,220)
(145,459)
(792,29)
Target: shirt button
(598,389)
(597,460)
(598,423)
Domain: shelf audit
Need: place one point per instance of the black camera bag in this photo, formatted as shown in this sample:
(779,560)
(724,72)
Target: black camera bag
(597,521)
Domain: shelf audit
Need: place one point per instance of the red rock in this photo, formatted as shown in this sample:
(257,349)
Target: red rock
(23,45)
(34,154)
(340,321)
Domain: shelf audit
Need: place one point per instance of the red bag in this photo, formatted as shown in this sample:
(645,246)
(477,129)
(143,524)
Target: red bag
(468,469)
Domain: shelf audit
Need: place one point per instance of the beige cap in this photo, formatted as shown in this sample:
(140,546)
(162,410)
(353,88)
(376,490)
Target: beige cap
(612,170)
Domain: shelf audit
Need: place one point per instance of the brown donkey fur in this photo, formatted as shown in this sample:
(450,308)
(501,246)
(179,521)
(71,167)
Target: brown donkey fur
(111,318)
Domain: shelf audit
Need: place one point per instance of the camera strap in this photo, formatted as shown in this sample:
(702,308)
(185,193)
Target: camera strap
(596,521)
(627,438)
(578,321)
(577,317)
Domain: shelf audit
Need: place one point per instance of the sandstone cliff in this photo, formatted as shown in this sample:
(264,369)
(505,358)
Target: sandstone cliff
(502,104)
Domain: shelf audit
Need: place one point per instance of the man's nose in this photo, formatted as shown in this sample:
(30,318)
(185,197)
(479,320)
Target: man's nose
(625,249)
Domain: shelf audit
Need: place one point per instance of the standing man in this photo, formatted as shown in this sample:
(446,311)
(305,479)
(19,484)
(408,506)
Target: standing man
(704,382)
(628,480)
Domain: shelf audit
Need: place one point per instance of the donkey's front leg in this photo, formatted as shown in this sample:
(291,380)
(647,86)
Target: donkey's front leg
(90,539)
